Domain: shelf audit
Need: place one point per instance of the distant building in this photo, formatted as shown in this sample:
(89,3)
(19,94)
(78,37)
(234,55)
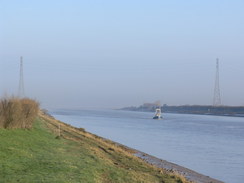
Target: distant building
(151,106)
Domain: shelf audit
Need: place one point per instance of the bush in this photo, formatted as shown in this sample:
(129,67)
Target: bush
(18,113)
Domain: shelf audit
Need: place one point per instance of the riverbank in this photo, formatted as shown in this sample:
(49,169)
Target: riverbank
(190,175)
(169,167)
(53,151)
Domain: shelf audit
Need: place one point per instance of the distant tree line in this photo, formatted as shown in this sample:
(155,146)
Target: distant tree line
(211,110)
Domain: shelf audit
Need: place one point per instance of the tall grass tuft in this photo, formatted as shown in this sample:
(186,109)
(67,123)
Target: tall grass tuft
(17,113)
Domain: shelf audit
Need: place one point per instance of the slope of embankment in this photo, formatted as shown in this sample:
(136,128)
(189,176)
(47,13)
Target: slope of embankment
(41,155)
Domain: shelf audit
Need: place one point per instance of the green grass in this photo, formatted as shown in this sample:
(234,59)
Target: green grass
(36,155)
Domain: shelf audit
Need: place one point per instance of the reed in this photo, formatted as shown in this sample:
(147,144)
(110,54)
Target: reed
(17,113)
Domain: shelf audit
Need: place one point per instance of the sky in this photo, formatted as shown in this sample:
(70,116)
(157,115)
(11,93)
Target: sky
(112,54)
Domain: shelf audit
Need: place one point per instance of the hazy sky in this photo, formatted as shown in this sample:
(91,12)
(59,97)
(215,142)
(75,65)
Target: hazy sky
(107,53)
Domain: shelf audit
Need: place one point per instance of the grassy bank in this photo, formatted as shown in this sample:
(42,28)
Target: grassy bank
(37,155)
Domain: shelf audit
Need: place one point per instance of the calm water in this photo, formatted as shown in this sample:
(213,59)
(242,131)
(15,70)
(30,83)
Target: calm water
(210,145)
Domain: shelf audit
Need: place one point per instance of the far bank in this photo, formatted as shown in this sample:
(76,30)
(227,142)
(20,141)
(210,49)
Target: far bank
(235,111)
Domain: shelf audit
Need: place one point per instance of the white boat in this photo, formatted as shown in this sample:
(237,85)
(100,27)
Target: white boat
(157,114)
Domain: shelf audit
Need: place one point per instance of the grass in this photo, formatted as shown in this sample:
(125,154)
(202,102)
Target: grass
(36,155)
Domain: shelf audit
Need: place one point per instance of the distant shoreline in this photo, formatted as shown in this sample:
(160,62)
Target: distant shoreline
(229,111)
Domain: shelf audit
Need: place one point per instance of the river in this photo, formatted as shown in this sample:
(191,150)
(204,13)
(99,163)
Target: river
(211,145)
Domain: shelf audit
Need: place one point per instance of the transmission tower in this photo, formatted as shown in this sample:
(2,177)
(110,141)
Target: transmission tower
(217,99)
(21,92)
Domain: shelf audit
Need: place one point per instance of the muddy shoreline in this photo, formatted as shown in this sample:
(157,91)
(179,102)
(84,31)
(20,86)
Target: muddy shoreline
(189,174)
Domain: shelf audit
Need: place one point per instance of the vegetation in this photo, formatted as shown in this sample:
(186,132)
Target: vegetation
(17,113)
(37,155)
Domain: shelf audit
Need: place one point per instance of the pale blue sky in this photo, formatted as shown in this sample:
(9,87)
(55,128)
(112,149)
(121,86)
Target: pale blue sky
(119,53)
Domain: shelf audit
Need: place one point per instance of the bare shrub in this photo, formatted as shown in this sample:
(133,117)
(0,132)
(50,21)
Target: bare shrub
(17,113)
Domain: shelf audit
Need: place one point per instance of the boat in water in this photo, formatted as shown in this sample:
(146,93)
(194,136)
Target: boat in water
(157,114)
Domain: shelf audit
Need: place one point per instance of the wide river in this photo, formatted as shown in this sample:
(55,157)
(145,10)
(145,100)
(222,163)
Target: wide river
(211,145)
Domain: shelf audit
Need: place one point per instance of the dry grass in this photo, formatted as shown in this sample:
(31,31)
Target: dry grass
(17,113)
